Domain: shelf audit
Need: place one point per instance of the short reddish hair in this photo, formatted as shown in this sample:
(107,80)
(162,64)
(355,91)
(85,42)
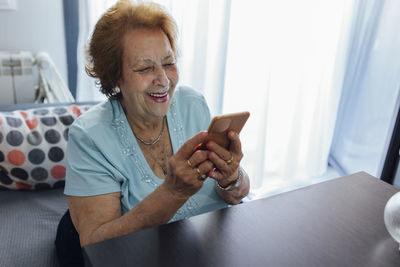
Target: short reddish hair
(105,47)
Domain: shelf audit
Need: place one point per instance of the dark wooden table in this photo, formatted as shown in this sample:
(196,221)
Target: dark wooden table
(334,223)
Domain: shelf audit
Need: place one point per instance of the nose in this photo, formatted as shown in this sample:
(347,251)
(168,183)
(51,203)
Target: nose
(161,78)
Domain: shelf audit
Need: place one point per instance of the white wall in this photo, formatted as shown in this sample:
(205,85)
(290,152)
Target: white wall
(36,25)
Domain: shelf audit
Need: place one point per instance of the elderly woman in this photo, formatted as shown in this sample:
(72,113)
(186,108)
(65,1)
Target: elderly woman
(132,160)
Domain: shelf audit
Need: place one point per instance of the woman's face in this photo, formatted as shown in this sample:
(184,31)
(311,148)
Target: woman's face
(149,73)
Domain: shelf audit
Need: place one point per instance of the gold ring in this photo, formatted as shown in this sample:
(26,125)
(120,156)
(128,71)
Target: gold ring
(201,177)
(229,161)
(189,163)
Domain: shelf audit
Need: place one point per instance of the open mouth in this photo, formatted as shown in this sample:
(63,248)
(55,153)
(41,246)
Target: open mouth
(159,97)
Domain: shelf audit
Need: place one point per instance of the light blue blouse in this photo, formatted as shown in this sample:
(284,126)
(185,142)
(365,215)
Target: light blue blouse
(104,157)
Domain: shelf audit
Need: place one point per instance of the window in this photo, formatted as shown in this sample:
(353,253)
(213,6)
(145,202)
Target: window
(317,76)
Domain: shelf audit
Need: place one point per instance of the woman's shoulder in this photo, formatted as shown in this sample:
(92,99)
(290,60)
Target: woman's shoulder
(192,109)
(187,97)
(98,115)
(184,91)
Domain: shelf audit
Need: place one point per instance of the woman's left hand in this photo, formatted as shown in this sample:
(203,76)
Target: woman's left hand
(226,161)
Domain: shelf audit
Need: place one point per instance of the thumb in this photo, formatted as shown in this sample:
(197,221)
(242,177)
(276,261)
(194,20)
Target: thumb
(189,146)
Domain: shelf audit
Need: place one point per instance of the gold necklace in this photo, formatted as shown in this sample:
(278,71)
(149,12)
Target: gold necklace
(164,151)
(155,141)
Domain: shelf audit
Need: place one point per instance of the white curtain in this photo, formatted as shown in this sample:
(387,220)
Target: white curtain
(284,61)
(89,13)
(370,89)
(286,64)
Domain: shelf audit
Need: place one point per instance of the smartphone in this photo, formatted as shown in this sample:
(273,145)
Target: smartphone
(222,124)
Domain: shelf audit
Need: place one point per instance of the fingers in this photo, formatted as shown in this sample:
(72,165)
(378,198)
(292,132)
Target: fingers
(204,168)
(219,150)
(185,180)
(226,161)
(197,157)
(189,167)
(220,163)
(236,145)
(189,146)
(228,156)
(200,163)
(219,176)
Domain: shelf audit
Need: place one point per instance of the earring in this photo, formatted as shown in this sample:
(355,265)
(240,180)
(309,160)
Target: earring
(116,90)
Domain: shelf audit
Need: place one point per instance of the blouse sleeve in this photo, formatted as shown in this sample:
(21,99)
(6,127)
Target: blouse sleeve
(88,171)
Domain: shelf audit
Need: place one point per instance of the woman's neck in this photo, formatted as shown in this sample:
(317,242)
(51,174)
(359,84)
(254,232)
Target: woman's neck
(143,126)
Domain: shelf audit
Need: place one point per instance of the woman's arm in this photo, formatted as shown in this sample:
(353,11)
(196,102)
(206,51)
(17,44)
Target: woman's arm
(97,218)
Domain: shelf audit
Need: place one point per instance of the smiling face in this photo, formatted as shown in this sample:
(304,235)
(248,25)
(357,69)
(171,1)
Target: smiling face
(149,74)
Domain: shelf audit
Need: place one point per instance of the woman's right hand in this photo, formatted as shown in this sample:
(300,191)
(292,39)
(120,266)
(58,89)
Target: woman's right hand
(188,168)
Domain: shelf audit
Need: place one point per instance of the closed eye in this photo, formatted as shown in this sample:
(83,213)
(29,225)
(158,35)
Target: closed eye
(144,69)
(169,64)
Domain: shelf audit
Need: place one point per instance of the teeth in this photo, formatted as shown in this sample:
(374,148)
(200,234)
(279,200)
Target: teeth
(159,95)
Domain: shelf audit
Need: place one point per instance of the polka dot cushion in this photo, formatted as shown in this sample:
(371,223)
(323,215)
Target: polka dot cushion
(33,144)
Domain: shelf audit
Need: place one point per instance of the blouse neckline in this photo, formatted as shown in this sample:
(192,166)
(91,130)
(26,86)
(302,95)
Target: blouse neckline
(175,131)
(131,149)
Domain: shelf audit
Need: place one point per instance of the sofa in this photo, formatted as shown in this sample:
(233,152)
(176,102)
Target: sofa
(33,139)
